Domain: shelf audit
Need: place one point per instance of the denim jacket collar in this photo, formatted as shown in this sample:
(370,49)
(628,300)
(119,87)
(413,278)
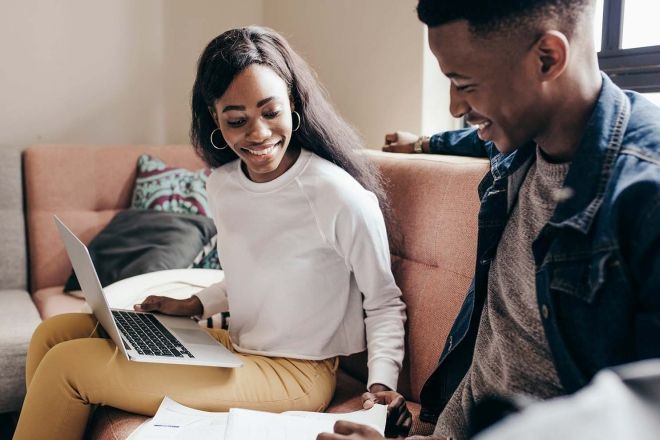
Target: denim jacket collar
(590,169)
(594,160)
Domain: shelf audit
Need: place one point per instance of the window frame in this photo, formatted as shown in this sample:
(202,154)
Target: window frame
(634,69)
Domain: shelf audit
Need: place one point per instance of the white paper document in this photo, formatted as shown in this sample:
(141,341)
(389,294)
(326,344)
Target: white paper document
(175,421)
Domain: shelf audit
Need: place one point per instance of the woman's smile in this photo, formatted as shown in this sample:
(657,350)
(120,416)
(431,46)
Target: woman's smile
(261,153)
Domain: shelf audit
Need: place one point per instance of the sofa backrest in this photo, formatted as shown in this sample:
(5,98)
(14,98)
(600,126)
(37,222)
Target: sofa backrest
(434,203)
(85,186)
(434,209)
(13,257)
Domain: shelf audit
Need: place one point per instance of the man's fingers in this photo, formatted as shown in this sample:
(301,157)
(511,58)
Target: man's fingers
(346,428)
(391,137)
(387,148)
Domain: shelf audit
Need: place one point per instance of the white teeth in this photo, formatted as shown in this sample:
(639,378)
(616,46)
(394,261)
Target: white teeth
(268,150)
(483,125)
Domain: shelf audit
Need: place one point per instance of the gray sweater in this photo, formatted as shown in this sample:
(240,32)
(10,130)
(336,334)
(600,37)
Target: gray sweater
(511,353)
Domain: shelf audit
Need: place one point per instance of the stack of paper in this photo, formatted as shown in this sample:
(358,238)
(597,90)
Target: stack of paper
(176,421)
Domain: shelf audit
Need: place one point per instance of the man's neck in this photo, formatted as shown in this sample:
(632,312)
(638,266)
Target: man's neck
(572,109)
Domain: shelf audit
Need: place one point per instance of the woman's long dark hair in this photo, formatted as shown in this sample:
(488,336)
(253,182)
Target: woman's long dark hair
(321,130)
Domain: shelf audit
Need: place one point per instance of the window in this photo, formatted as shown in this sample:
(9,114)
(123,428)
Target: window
(629,46)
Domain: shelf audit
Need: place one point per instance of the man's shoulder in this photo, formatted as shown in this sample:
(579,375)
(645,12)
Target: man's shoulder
(642,136)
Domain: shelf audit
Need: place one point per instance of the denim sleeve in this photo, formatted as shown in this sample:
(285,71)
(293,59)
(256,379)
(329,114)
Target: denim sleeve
(463,142)
(643,250)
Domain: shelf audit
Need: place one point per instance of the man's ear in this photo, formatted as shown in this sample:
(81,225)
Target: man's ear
(552,52)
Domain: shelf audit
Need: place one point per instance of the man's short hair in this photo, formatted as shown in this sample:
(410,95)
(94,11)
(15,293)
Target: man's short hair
(486,17)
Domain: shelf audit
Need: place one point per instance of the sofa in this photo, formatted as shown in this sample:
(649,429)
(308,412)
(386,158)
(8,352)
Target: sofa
(18,314)
(434,206)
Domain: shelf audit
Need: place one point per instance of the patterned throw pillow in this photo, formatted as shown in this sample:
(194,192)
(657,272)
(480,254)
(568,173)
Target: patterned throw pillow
(178,190)
(164,188)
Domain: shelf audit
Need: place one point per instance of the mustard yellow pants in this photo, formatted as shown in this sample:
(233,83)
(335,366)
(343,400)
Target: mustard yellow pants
(71,367)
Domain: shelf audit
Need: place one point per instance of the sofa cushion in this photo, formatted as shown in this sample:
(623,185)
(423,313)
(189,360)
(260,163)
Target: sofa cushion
(433,226)
(18,319)
(51,301)
(138,241)
(85,186)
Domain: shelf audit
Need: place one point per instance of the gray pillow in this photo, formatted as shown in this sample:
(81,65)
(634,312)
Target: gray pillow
(138,241)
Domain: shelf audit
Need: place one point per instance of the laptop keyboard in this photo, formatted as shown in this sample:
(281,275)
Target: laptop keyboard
(148,336)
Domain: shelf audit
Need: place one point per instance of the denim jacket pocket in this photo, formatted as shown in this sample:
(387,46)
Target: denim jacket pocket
(582,277)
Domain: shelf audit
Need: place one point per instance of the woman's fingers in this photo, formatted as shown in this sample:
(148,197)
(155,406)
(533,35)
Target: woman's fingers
(149,304)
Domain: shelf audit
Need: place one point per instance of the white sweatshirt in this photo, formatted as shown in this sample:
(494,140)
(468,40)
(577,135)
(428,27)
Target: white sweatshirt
(307,267)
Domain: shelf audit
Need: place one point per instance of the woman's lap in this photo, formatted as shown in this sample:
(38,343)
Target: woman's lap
(102,375)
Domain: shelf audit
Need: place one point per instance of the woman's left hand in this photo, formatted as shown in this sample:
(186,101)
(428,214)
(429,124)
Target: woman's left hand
(399,418)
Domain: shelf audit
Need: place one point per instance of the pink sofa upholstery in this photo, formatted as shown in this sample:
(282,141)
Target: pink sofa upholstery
(434,203)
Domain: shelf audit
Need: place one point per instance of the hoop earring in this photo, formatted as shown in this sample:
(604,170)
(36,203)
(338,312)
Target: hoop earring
(214,145)
(299,120)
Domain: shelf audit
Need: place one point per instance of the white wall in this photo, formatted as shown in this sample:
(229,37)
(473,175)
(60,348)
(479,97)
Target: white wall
(368,54)
(120,71)
(105,71)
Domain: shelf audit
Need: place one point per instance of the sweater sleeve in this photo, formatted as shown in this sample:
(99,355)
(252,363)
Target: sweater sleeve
(361,238)
(213,299)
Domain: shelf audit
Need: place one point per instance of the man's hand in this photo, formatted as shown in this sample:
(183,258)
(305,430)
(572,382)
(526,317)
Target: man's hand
(399,418)
(170,306)
(351,431)
(400,142)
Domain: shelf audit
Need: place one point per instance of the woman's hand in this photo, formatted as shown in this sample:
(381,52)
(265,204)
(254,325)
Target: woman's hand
(400,142)
(170,306)
(399,418)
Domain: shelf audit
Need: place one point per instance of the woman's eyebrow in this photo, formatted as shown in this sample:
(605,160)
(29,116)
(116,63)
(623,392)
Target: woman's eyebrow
(265,101)
(233,107)
(242,107)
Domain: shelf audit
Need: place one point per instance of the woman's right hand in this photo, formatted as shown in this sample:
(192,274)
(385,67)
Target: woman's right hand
(170,306)
(399,418)
(400,142)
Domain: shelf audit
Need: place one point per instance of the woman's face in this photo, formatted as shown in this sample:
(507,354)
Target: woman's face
(254,116)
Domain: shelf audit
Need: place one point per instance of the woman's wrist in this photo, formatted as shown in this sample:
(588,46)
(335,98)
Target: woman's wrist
(196,308)
(378,387)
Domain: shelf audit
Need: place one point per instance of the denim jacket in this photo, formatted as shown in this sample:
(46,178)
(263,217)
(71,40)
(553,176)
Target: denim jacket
(597,259)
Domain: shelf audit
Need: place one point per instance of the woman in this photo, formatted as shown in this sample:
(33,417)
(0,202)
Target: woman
(305,254)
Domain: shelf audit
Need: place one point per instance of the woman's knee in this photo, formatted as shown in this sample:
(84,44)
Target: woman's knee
(65,327)
(75,363)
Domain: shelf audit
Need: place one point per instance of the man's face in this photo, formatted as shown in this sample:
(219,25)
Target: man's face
(493,83)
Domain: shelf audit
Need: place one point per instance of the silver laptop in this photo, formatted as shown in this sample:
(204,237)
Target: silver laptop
(144,337)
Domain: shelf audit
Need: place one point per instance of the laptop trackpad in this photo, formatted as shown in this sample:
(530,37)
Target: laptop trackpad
(192,336)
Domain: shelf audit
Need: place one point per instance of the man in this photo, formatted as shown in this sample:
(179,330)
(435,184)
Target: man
(567,280)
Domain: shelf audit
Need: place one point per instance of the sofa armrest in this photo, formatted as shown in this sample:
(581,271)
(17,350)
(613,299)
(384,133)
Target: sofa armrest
(18,319)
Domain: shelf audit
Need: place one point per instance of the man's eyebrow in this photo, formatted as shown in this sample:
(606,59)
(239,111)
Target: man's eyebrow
(242,107)
(454,75)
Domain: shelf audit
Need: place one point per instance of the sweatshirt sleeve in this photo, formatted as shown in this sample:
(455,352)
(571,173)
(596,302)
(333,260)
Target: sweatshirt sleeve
(213,299)
(361,238)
